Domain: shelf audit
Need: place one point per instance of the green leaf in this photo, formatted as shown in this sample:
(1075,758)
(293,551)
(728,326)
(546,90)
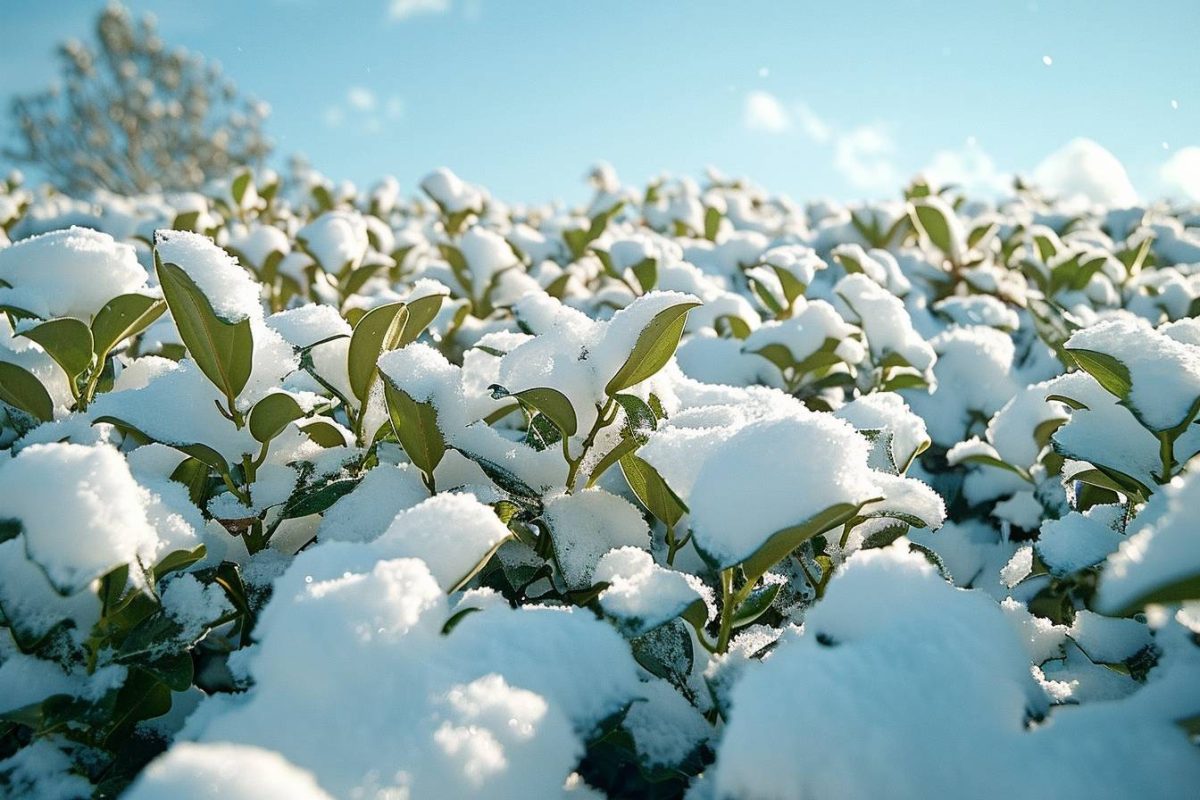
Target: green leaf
(324,433)
(551,402)
(933,221)
(317,499)
(712,223)
(646,272)
(68,341)
(992,461)
(378,332)
(652,490)
(777,354)
(1176,591)
(416,426)
(124,316)
(240,184)
(541,432)
(755,605)
(355,280)
(737,327)
(186,221)
(792,287)
(517,489)
(223,350)
(1107,370)
(457,617)
(421,312)
(782,542)
(198,451)
(654,348)
(1114,481)
(666,652)
(458,266)
(272,414)
(479,565)
(980,233)
(177,560)
(21,390)
(639,417)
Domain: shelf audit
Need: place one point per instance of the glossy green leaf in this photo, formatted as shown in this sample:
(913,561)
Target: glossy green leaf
(177,560)
(932,220)
(416,426)
(317,499)
(421,312)
(1107,370)
(551,402)
(378,332)
(324,433)
(68,341)
(124,316)
(755,605)
(223,350)
(782,542)
(650,488)
(646,272)
(654,348)
(640,419)
(271,415)
(21,390)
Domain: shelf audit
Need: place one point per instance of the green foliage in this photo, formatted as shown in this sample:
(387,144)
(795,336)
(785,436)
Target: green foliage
(223,350)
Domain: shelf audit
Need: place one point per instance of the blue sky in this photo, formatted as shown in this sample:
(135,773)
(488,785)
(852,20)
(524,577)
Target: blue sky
(841,99)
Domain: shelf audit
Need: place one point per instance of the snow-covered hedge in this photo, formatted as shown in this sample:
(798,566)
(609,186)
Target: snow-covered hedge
(309,492)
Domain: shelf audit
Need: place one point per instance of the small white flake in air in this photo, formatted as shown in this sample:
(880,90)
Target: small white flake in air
(764,72)
(1174,105)
(1047,60)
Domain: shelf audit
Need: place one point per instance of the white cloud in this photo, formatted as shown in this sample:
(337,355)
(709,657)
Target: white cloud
(1180,174)
(1083,171)
(362,109)
(360,98)
(969,168)
(813,126)
(403,9)
(334,116)
(863,155)
(763,112)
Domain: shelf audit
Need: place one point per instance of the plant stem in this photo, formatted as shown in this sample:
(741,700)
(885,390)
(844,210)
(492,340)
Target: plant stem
(604,418)
(727,603)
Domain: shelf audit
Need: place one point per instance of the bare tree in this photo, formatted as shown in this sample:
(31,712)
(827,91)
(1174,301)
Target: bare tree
(134,116)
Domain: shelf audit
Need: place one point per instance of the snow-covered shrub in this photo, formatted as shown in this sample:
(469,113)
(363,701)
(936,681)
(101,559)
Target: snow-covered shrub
(688,490)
